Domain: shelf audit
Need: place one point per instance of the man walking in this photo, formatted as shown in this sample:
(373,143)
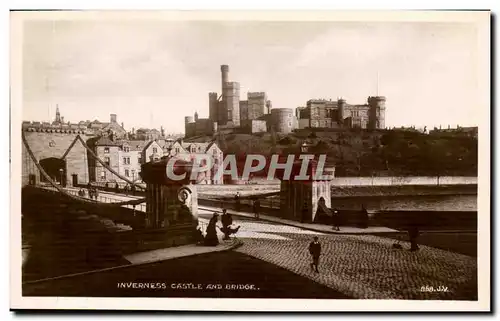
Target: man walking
(315,251)
(256,208)
(335,220)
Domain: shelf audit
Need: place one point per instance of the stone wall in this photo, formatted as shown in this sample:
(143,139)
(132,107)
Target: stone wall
(76,164)
(254,126)
(47,145)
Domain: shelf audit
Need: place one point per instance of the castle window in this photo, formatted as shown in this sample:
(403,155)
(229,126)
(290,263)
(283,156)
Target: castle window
(126,149)
(103,175)
(126,173)
(107,161)
(139,159)
(106,150)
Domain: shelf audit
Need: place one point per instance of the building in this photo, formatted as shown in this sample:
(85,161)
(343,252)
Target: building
(123,156)
(188,151)
(94,128)
(228,111)
(195,126)
(283,120)
(322,113)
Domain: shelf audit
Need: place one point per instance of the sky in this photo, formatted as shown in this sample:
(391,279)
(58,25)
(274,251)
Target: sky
(153,73)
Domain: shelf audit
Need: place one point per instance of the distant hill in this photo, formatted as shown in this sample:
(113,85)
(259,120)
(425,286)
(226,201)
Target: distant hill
(365,153)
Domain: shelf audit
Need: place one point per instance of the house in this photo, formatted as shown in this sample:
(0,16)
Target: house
(188,151)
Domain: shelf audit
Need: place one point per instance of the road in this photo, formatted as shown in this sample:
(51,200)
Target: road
(360,266)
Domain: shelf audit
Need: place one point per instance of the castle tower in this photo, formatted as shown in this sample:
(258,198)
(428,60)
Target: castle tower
(225,77)
(195,116)
(229,106)
(213,107)
(341,103)
(188,120)
(269,105)
(376,113)
(231,98)
(58,115)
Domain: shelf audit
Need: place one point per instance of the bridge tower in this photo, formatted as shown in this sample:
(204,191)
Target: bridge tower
(301,200)
(170,203)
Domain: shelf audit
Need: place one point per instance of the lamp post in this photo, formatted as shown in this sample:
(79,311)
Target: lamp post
(61,171)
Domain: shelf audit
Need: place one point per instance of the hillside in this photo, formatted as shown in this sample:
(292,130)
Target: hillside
(364,153)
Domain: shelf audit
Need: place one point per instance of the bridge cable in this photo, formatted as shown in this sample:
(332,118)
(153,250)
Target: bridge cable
(106,165)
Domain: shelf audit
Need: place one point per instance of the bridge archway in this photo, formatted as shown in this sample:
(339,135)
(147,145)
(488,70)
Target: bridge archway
(55,168)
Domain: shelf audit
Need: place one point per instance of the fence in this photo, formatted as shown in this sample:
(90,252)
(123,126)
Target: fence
(103,199)
(404,180)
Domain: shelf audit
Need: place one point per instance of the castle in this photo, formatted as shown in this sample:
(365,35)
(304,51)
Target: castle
(254,115)
(322,113)
(227,111)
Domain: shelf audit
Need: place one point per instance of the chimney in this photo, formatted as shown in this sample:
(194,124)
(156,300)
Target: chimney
(122,125)
(113,118)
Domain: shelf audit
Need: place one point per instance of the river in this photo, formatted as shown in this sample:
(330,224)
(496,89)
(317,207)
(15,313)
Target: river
(410,203)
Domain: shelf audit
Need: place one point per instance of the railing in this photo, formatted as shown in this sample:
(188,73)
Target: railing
(101,199)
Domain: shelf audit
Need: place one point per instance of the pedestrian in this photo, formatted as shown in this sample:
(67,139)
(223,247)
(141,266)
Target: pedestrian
(117,188)
(315,251)
(211,233)
(363,221)
(237,201)
(335,220)
(226,220)
(199,238)
(256,208)
(413,233)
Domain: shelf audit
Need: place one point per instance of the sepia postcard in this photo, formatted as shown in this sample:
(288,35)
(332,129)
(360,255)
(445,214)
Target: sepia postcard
(250,160)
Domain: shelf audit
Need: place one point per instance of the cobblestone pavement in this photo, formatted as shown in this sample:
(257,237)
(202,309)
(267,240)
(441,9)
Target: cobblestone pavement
(362,266)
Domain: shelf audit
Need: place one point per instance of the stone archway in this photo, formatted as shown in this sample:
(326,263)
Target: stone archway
(55,168)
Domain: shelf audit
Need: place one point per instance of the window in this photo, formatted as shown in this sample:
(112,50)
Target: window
(177,150)
(133,173)
(107,161)
(106,150)
(127,173)
(103,175)
(126,149)
(154,150)
(139,159)
(126,160)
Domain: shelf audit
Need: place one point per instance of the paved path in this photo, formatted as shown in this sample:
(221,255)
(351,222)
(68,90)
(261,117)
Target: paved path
(178,251)
(361,266)
(308,226)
